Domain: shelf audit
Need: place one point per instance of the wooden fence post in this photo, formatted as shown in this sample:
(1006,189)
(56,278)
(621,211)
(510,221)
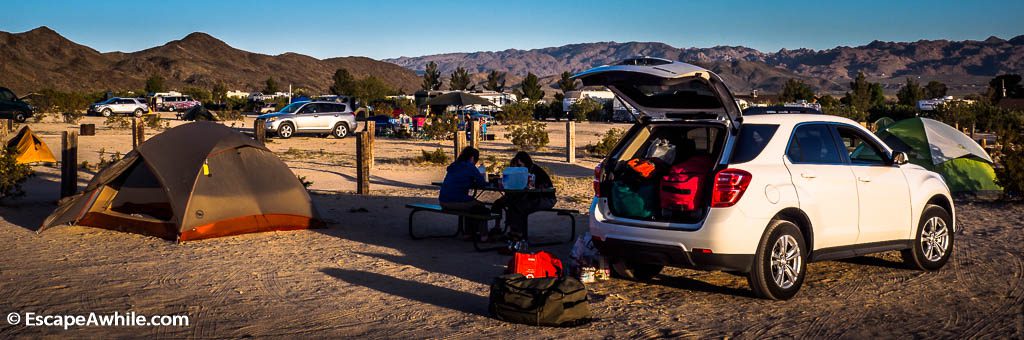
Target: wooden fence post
(474,128)
(371,130)
(260,131)
(138,132)
(3,129)
(570,142)
(362,163)
(68,163)
(460,142)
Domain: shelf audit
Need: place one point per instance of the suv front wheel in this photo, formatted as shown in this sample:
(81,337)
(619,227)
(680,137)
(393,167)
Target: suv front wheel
(20,117)
(340,130)
(106,112)
(780,263)
(934,242)
(286,131)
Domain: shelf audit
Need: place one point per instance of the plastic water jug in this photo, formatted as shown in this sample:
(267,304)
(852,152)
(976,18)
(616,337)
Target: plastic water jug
(515,178)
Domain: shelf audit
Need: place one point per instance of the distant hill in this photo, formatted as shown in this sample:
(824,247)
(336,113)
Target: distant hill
(963,65)
(42,58)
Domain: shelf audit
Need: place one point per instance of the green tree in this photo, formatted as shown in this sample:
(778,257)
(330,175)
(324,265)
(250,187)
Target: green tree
(270,86)
(370,89)
(585,109)
(935,89)
(847,111)
(459,80)
(431,77)
(861,93)
(795,90)
(197,93)
(343,83)
(1005,85)
(910,93)
(566,83)
(828,100)
(219,92)
(877,95)
(957,113)
(530,88)
(495,81)
(12,174)
(528,136)
(516,113)
(155,84)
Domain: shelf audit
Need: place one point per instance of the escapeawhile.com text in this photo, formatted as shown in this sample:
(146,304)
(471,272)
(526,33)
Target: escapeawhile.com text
(116,319)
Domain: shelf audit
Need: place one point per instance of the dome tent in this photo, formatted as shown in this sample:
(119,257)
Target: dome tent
(195,181)
(29,148)
(938,147)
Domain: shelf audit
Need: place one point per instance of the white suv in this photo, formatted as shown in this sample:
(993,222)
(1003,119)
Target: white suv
(116,105)
(318,117)
(778,190)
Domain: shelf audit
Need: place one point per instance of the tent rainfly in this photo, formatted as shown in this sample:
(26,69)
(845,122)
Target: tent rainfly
(195,181)
(29,148)
(938,147)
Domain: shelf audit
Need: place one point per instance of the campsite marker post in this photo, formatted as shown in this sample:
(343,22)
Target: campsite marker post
(474,127)
(460,141)
(362,163)
(371,130)
(570,141)
(260,131)
(68,163)
(138,132)
(6,127)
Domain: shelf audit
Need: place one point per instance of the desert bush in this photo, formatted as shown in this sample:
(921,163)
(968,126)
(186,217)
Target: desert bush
(516,113)
(72,117)
(116,121)
(606,144)
(437,156)
(440,127)
(528,136)
(38,117)
(493,165)
(12,174)
(586,109)
(1011,155)
(229,115)
(305,182)
(105,160)
(153,122)
(846,111)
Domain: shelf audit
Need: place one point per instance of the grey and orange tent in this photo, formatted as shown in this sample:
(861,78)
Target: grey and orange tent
(195,181)
(29,148)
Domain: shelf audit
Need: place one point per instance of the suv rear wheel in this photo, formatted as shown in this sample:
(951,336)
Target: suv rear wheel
(340,130)
(286,131)
(780,263)
(106,112)
(934,242)
(636,271)
(20,117)
(138,112)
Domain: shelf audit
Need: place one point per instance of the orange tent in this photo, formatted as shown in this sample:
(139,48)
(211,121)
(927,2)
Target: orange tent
(29,148)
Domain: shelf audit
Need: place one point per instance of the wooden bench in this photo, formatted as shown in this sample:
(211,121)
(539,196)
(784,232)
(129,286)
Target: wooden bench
(434,208)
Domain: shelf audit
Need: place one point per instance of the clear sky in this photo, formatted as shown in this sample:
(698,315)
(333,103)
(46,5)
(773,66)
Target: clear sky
(386,29)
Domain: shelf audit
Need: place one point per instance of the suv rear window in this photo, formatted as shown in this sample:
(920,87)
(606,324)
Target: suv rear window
(752,140)
(813,144)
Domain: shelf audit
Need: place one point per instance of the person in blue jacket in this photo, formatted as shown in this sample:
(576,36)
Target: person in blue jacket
(461,177)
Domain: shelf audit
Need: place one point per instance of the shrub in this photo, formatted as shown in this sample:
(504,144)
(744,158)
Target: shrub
(152,122)
(528,136)
(229,114)
(117,122)
(586,109)
(38,117)
(305,183)
(12,174)
(440,127)
(437,156)
(846,111)
(607,143)
(493,165)
(72,117)
(516,113)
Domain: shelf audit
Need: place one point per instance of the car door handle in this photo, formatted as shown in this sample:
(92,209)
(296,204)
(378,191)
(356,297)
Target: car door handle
(864,179)
(807,175)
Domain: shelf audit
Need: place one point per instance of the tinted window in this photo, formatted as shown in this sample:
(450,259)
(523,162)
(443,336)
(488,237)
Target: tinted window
(686,93)
(309,109)
(329,108)
(752,140)
(813,143)
(6,94)
(860,148)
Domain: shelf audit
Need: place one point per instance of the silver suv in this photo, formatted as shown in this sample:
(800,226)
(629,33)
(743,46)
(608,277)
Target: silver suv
(117,105)
(319,117)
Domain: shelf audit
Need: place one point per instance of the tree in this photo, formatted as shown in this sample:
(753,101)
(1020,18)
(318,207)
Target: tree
(877,95)
(828,100)
(795,90)
(219,92)
(566,83)
(431,77)
(270,86)
(585,109)
(200,94)
(1005,85)
(495,81)
(910,93)
(935,89)
(863,94)
(344,83)
(155,84)
(530,88)
(370,89)
(459,80)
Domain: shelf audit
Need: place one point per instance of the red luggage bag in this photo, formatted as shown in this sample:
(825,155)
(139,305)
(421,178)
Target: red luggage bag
(680,187)
(536,265)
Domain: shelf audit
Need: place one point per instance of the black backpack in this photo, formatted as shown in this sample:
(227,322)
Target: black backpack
(548,301)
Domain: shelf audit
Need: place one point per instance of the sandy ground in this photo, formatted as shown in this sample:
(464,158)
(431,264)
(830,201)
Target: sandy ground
(363,276)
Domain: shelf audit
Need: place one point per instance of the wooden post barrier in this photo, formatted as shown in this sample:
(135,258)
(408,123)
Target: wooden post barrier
(6,127)
(362,163)
(371,130)
(570,142)
(138,132)
(460,142)
(68,164)
(474,128)
(259,130)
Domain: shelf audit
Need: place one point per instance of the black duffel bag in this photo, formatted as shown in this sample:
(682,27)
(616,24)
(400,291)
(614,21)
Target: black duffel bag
(548,301)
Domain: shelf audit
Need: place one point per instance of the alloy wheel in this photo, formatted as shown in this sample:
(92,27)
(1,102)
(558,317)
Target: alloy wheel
(785,261)
(934,239)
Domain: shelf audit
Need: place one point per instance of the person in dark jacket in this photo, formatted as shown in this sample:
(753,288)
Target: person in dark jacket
(461,177)
(519,206)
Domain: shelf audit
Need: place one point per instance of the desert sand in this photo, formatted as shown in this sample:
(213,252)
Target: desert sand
(364,276)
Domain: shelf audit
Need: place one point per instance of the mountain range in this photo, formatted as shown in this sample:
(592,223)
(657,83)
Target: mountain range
(963,65)
(42,58)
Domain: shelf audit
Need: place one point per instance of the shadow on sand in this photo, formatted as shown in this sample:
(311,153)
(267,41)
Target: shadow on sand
(412,290)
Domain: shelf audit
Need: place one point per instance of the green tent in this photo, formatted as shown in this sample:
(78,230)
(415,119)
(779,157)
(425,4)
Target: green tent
(938,147)
(883,123)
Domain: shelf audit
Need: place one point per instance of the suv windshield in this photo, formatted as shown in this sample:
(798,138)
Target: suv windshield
(291,108)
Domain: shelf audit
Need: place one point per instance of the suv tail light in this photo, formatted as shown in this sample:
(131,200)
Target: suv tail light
(597,180)
(729,187)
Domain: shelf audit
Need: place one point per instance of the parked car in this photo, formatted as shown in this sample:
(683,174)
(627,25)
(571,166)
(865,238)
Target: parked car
(118,105)
(12,107)
(776,192)
(317,117)
(175,103)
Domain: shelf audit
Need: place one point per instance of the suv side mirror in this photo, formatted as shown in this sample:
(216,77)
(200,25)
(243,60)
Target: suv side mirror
(899,158)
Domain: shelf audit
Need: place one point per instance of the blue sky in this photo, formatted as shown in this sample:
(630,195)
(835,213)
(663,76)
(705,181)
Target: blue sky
(385,29)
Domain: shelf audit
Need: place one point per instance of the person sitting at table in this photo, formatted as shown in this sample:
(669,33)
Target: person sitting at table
(461,177)
(519,206)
